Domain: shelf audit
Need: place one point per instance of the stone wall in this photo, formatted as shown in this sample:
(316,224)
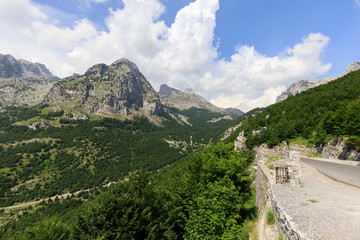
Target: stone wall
(284,222)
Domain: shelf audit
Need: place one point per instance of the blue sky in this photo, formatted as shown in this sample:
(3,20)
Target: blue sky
(237,53)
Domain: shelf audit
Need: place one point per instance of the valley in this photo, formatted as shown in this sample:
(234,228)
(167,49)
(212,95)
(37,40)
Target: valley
(167,164)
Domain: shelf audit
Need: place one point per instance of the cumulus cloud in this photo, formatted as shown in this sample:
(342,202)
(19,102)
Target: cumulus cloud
(182,55)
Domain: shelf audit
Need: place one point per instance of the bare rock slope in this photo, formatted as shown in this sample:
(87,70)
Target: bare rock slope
(107,90)
(23,82)
(187,99)
(304,85)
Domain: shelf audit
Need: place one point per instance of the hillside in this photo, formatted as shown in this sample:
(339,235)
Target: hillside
(304,85)
(318,115)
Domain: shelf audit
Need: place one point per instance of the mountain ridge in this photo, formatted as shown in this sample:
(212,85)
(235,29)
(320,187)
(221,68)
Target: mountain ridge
(119,88)
(303,85)
(184,100)
(23,82)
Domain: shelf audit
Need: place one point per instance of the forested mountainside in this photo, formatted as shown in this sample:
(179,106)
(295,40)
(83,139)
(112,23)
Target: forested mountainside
(204,196)
(45,153)
(318,114)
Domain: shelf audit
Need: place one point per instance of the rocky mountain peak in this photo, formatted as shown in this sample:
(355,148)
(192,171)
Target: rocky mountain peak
(354,66)
(187,99)
(97,70)
(303,85)
(11,67)
(119,88)
(165,90)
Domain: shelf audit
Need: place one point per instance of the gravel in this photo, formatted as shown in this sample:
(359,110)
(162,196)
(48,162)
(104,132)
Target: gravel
(320,207)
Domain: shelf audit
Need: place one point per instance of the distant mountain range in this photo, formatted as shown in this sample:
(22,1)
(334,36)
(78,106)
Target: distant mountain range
(23,82)
(118,89)
(184,100)
(304,85)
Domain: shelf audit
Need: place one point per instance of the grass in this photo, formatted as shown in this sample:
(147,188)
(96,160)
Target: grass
(270,217)
(302,141)
(304,204)
(313,200)
(272,159)
(280,237)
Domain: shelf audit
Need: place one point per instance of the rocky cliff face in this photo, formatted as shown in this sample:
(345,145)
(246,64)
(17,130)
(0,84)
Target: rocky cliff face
(354,66)
(337,149)
(184,100)
(23,82)
(304,85)
(301,86)
(107,90)
(13,68)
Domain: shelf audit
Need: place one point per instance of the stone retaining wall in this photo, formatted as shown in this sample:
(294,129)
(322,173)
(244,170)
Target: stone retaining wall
(284,222)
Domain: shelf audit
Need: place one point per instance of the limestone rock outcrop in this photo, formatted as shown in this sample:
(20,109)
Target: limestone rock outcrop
(301,86)
(354,66)
(23,82)
(184,100)
(304,85)
(13,68)
(107,90)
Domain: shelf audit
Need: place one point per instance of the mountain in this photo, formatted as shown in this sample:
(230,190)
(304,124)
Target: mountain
(329,111)
(301,86)
(354,66)
(12,68)
(184,100)
(107,90)
(23,82)
(304,85)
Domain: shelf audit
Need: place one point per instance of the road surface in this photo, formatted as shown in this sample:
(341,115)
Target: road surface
(338,172)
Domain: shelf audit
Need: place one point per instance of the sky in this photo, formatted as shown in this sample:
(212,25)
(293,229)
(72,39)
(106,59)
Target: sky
(235,53)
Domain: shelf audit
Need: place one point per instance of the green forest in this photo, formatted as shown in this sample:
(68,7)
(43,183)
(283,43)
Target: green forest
(316,115)
(81,154)
(206,195)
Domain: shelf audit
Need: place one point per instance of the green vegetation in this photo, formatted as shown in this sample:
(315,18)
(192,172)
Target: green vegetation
(83,154)
(212,198)
(314,116)
(270,217)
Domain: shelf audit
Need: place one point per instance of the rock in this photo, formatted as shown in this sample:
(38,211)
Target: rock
(184,100)
(240,142)
(107,90)
(10,68)
(301,86)
(304,85)
(354,66)
(337,149)
(23,82)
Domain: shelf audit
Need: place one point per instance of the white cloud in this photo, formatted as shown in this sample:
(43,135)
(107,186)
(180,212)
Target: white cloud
(181,55)
(18,12)
(357,3)
(99,1)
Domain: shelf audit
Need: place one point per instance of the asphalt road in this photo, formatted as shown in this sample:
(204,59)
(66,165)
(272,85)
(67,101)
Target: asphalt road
(338,172)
